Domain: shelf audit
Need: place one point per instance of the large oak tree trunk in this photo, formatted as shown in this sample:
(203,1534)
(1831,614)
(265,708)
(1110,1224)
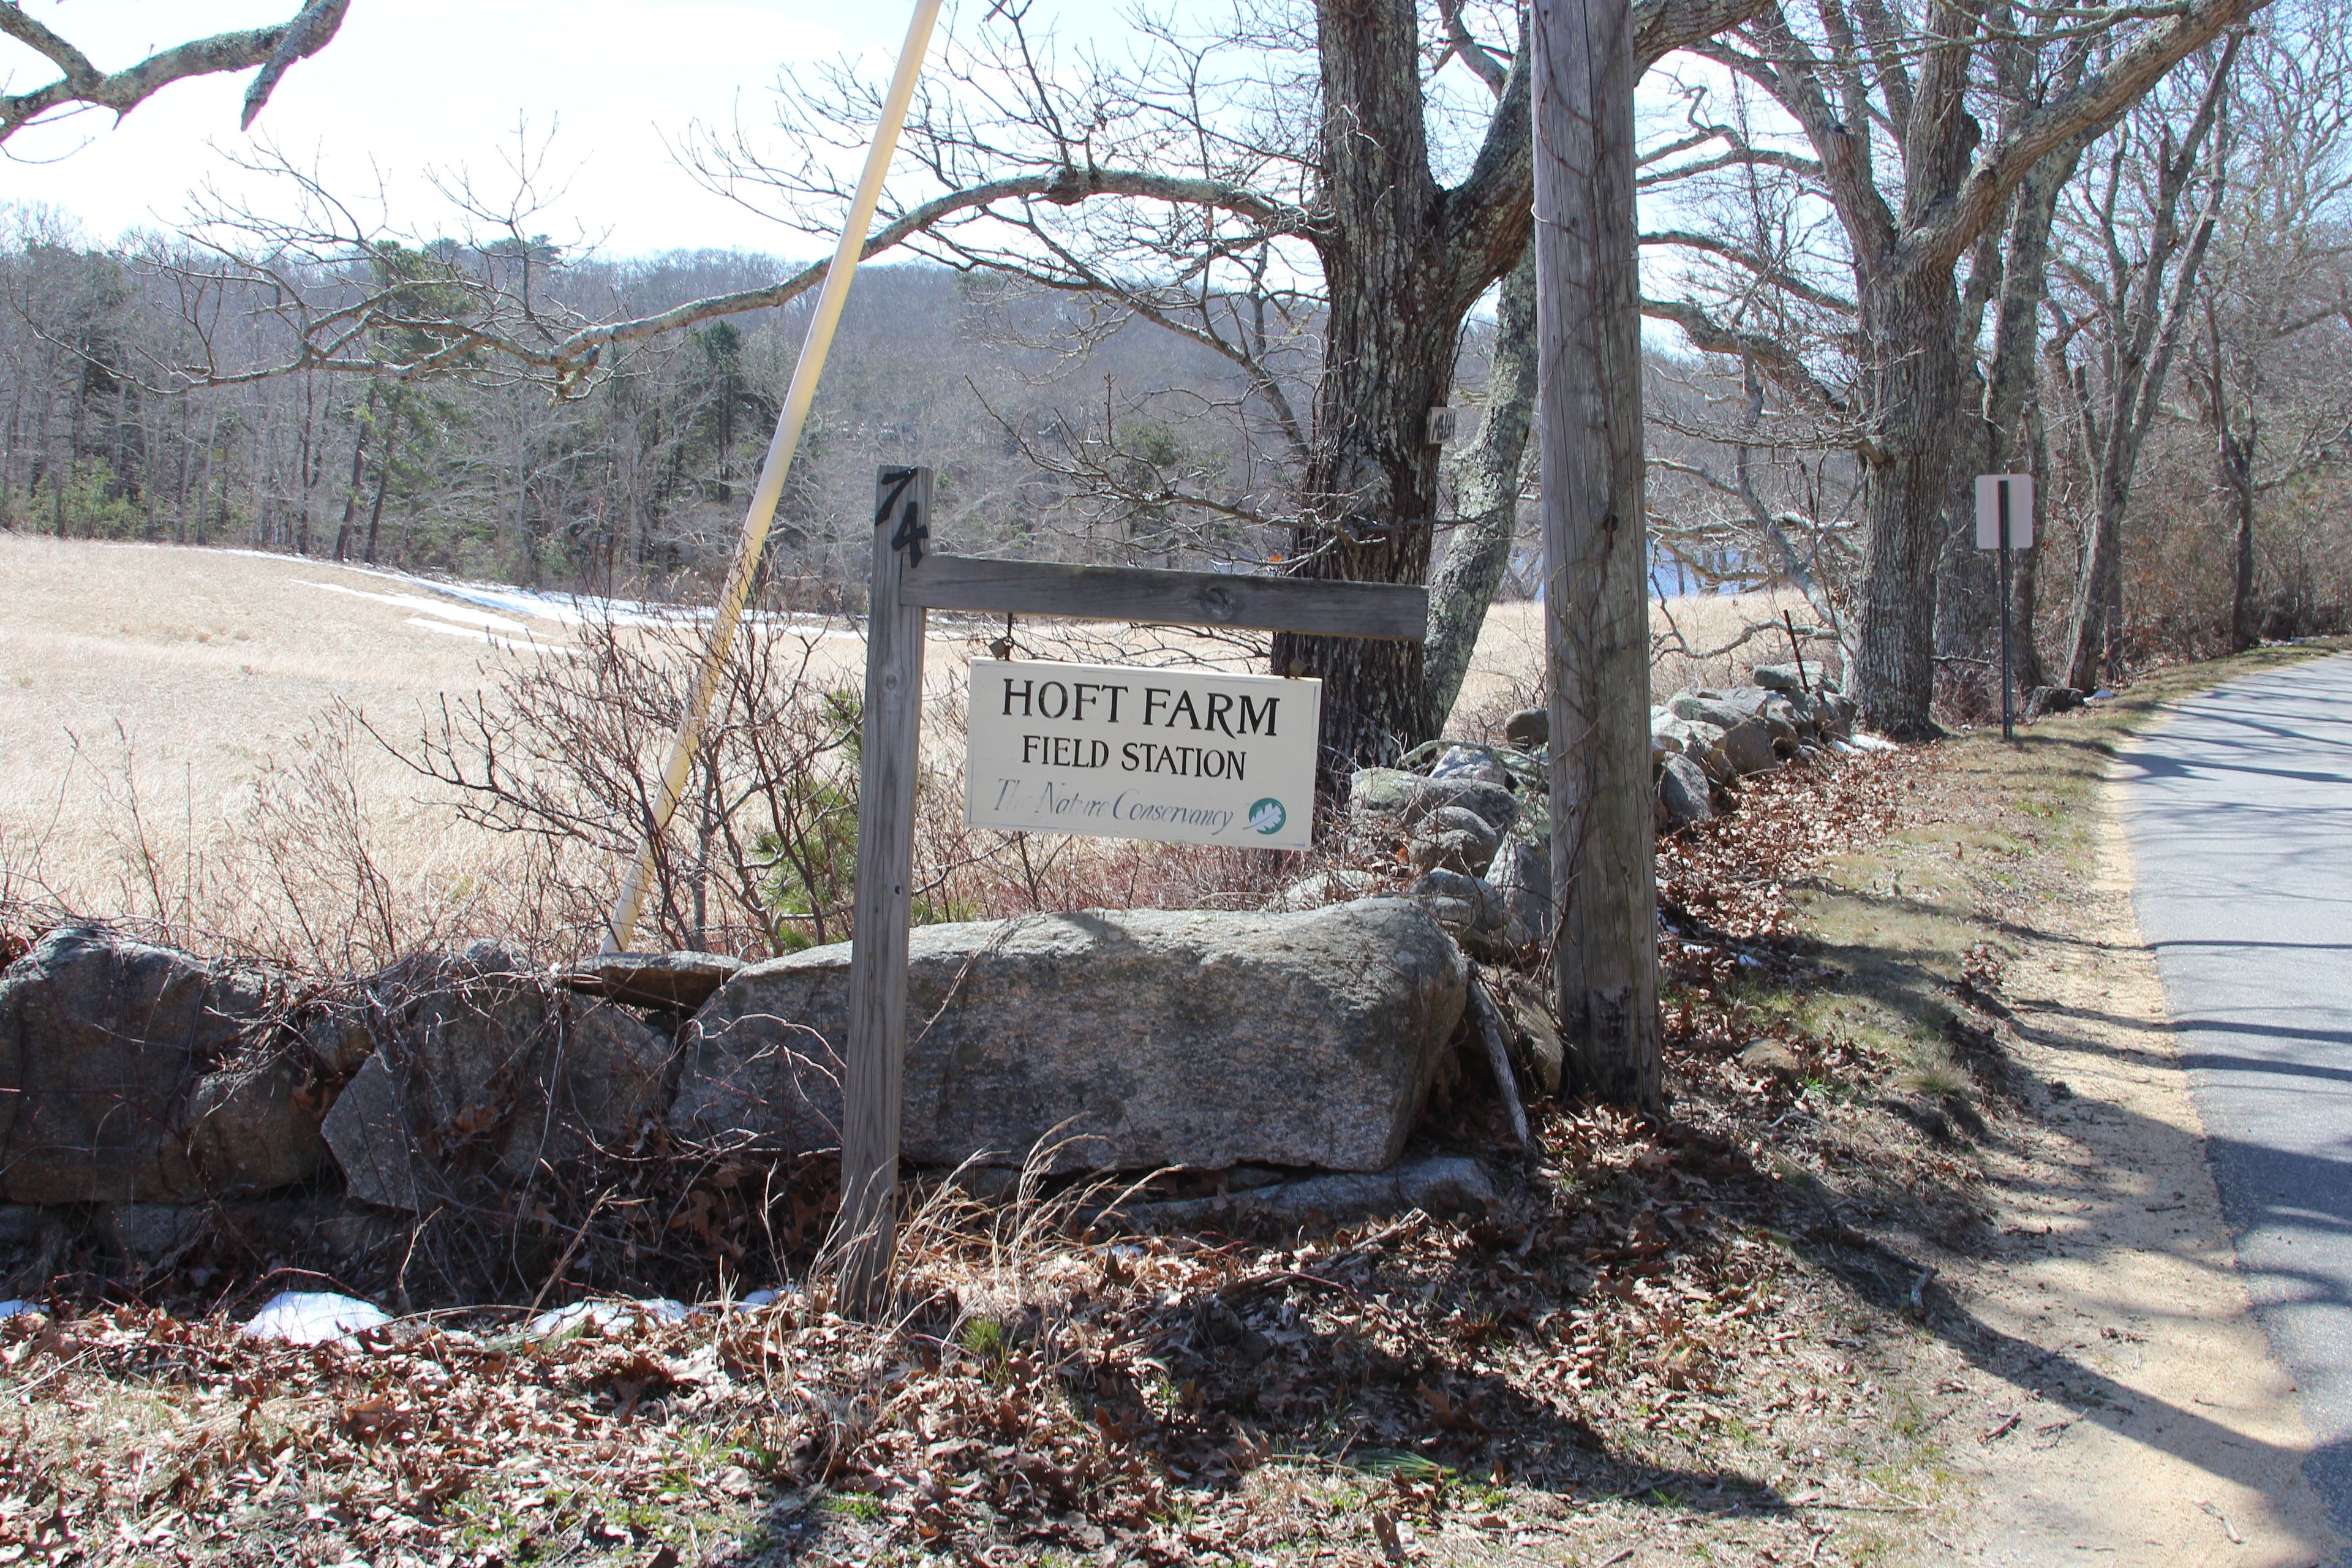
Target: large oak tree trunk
(1967,580)
(1370,486)
(1911,393)
(1374,485)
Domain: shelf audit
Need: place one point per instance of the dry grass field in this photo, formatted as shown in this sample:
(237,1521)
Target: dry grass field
(182,744)
(151,698)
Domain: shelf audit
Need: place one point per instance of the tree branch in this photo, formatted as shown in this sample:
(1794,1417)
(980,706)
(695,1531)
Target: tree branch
(274,50)
(1785,366)
(1763,268)
(1939,234)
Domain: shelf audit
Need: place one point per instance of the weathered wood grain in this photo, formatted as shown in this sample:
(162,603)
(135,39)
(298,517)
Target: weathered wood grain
(1379,610)
(889,760)
(1596,622)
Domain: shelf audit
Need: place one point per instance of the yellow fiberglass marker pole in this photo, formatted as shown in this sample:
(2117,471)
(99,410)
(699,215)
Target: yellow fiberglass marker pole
(811,364)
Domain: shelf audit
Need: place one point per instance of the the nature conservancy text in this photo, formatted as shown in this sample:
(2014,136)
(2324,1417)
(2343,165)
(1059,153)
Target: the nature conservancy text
(1190,757)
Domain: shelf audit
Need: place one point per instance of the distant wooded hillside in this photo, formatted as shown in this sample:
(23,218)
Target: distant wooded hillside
(640,482)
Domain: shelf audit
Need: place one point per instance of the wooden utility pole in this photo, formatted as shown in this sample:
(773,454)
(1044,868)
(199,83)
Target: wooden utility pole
(1596,610)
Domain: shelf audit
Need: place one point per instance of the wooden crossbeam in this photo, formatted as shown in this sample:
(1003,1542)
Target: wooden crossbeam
(1149,595)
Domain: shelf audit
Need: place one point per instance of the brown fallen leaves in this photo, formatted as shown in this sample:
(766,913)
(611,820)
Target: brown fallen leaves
(1638,1326)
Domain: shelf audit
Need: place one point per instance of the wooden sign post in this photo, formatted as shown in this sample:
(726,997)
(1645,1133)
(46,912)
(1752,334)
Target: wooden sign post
(909,579)
(887,755)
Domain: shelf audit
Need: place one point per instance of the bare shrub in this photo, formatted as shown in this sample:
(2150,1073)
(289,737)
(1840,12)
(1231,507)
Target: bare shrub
(568,754)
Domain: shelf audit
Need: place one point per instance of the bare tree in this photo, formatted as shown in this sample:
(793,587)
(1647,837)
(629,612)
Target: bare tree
(1300,177)
(2269,365)
(2009,276)
(1887,119)
(1298,171)
(81,85)
(2138,227)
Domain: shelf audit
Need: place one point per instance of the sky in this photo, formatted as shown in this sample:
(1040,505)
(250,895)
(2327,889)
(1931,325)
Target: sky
(412,85)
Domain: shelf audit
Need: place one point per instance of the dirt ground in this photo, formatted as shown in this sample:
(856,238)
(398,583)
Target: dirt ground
(1809,1317)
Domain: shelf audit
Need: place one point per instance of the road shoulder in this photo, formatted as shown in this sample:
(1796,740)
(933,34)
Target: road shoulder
(2152,1424)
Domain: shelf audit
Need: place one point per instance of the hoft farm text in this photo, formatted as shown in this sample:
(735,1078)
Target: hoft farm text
(1232,715)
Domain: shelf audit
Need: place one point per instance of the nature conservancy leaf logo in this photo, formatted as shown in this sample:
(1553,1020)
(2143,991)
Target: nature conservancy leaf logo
(1268,815)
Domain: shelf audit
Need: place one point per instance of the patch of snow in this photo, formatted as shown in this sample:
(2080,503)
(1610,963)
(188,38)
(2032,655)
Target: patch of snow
(524,643)
(314,1317)
(562,610)
(469,617)
(17,1308)
(608,1319)
(1862,742)
(742,1303)
(565,609)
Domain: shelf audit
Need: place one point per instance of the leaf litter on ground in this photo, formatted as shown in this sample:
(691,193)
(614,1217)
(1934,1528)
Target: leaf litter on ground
(1672,1332)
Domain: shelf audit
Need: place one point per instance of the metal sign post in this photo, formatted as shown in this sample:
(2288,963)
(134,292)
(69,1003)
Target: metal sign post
(908,579)
(2005,522)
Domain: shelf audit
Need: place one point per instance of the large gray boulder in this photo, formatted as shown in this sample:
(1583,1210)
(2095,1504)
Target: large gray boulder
(1456,837)
(1783,717)
(487,1071)
(1471,762)
(1701,742)
(1529,728)
(1521,878)
(1470,907)
(136,1074)
(1409,797)
(1683,791)
(1750,747)
(1337,885)
(1120,1039)
(1707,709)
(1812,716)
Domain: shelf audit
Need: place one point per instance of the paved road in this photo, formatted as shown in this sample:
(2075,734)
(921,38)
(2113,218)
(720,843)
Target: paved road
(2241,824)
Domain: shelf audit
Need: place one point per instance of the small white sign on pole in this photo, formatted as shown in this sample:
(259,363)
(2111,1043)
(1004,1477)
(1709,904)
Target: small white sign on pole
(2020,511)
(1112,752)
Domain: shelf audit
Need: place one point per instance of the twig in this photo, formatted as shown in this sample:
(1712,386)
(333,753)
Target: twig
(570,1250)
(1498,1057)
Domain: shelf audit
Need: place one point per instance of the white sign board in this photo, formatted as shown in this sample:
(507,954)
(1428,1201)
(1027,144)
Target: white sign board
(1182,756)
(2020,511)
